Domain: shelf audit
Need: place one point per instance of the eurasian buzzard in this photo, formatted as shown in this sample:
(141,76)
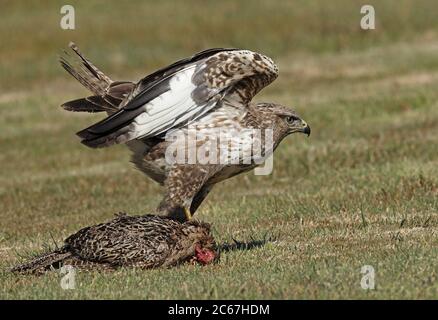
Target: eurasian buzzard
(209,91)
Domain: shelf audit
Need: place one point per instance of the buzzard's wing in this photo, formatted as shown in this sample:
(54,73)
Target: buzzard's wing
(181,92)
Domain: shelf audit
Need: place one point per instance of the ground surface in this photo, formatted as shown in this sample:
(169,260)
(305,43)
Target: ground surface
(362,190)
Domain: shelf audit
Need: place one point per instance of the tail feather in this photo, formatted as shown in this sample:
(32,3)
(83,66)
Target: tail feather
(108,94)
(88,104)
(42,262)
(85,72)
(91,67)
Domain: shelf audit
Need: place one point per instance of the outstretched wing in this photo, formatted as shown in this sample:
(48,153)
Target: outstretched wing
(181,92)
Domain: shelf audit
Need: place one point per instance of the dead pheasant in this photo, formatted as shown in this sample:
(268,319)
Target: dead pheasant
(130,241)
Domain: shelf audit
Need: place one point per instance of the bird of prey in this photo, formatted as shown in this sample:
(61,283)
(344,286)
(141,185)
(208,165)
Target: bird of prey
(146,242)
(210,90)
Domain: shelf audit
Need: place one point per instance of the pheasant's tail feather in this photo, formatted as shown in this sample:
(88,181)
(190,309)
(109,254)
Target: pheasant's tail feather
(42,262)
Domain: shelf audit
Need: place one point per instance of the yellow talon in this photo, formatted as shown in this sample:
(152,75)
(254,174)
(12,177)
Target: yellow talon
(187,213)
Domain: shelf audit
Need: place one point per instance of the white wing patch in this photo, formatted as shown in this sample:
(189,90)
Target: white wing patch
(183,93)
(161,111)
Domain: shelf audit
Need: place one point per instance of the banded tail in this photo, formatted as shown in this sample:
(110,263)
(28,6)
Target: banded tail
(42,263)
(108,94)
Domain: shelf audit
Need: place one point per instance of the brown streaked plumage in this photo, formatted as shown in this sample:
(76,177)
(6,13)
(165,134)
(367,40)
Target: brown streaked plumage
(130,241)
(211,90)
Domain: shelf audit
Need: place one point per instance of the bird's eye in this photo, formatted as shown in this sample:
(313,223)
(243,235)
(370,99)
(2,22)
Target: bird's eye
(291,119)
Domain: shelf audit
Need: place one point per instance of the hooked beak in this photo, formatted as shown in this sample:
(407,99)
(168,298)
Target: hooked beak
(305,128)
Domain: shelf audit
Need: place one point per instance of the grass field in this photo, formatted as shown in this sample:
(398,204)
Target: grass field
(362,190)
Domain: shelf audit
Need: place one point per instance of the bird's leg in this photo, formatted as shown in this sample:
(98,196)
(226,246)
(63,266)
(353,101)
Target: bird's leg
(174,211)
(182,184)
(199,197)
(174,208)
(187,213)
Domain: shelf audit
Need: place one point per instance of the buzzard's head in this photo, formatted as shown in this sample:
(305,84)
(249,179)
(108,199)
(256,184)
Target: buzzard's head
(283,120)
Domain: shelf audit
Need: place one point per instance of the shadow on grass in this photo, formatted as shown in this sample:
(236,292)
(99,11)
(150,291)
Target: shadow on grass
(247,245)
